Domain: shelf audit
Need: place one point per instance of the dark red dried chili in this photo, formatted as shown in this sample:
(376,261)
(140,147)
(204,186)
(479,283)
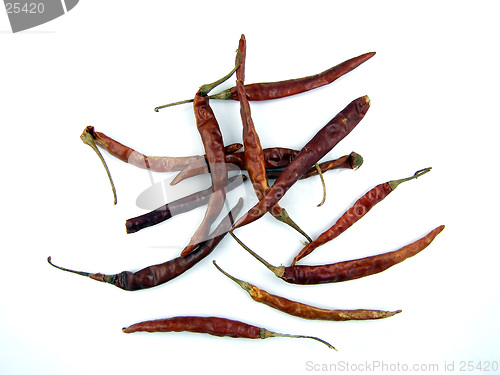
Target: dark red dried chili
(161,273)
(215,326)
(331,134)
(351,161)
(177,207)
(128,155)
(153,163)
(281,89)
(255,160)
(347,270)
(213,143)
(356,212)
(302,310)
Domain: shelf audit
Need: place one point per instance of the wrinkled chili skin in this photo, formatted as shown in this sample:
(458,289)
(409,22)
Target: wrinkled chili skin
(351,216)
(154,163)
(211,137)
(281,89)
(129,155)
(212,325)
(331,134)
(161,273)
(242,47)
(177,207)
(355,269)
(214,150)
(314,313)
(254,154)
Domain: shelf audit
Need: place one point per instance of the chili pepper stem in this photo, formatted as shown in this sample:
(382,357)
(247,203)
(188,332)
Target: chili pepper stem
(285,218)
(110,279)
(223,95)
(173,104)
(88,139)
(245,285)
(322,183)
(395,183)
(264,334)
(357,160)
(278,271)
(205,89)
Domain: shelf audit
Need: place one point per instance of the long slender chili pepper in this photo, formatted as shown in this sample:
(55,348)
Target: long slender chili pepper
(255,161)
(177,207)
(275,157)
(331,134)
(356,212)
(161,273)
(213,326)
(347,270)
(153,163)
(302,310)
(213,143)
(281,89)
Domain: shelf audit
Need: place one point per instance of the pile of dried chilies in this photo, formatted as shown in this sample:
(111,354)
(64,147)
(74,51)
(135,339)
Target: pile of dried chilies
(285,166)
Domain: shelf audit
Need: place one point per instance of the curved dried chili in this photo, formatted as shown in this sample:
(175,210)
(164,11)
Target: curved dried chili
(177,207)
(215,326)
(347,270)
(356,212)
(255,160)
(161,273)
(213,143)
(281,89)
(304,311)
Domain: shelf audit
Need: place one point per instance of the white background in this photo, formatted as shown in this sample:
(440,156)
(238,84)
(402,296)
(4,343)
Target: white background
(434,90)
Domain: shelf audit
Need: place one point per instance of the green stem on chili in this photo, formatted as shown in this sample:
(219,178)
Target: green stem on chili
(89,140)
(316,165)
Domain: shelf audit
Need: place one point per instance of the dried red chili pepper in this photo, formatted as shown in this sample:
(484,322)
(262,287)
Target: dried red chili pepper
(213,326)
(331,134)
(347,270)
(161,273)
(281,89)
(128,155)
(275,157)
(153,163)
(177,207)
(351,161)
(213,143)
(356,212)
(255,161)
(302,310)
